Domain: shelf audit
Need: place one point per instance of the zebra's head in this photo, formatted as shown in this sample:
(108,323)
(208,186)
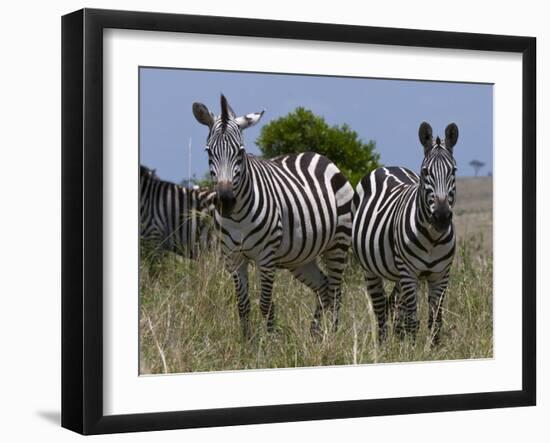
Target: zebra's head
(438,175)
(225,148)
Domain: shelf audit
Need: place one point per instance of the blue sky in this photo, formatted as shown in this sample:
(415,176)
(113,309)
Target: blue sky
(387,111)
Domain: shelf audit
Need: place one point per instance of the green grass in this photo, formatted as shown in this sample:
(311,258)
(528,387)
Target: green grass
(189,320)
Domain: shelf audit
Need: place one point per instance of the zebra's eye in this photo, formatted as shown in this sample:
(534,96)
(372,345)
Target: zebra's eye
(424,172)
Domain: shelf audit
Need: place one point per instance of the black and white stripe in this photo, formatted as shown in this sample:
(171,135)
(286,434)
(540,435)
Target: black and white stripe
(403,232)
(279,213)
(173,217)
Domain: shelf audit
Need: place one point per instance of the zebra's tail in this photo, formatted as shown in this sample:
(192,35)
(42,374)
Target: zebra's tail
(344,195)
(357,197)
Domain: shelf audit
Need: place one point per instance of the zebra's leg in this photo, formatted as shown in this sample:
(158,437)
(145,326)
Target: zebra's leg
(436,293)
(335,263)
(375,289)
(267,307)
(240,279)
(407,321)
(311,276)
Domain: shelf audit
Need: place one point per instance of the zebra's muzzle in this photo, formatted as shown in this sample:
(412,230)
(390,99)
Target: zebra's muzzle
(226,199)
(441,218)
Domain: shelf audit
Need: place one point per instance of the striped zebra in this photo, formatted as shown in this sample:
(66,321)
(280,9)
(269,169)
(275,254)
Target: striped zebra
(403,232)
(173,217)
(278,213)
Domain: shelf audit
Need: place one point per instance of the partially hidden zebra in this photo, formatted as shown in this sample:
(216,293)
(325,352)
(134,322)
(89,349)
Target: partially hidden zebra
(279,213)
(174,218)
(403,232)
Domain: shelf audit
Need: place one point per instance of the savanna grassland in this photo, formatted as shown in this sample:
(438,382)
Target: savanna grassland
(189,320)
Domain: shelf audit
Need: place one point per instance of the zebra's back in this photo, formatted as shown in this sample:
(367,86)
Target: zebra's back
(313,199)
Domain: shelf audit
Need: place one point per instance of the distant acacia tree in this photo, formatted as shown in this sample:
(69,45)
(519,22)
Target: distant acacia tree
(477,165)
(302,131)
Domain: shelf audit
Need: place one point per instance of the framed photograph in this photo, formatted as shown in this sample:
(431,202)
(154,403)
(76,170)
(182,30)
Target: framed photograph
(269,221)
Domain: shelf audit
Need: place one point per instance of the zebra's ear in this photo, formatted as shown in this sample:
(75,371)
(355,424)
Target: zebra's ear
(451,136)
(248,120)
(425,136)
(202,114)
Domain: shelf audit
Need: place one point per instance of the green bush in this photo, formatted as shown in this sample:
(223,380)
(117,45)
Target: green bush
(302,131)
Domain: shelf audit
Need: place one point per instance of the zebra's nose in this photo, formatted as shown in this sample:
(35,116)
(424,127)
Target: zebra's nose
(443,214)
(442,217)
(226,197)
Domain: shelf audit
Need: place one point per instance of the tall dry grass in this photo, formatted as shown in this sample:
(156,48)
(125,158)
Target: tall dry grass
(189,320)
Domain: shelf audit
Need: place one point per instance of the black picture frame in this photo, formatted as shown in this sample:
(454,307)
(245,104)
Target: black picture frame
(82,219)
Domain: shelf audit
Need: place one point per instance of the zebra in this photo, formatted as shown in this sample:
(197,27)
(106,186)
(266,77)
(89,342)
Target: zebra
(403,232)
(279,213)
(174,217)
